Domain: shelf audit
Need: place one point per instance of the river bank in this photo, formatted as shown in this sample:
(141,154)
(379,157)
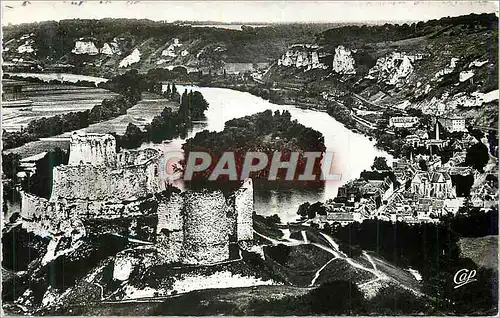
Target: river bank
(352,151)
(282,97)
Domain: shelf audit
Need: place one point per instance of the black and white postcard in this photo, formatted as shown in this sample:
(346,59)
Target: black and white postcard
(249,158)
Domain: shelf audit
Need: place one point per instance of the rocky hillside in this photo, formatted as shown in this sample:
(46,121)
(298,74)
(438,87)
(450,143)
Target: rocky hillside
(103,47)
(446,66)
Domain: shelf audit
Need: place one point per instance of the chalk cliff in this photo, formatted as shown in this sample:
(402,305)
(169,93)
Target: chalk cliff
(302,56)
(394,68)
(343,62)
(132,58)
(85,47)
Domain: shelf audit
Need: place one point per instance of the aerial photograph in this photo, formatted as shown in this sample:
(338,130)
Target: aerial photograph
(249,158)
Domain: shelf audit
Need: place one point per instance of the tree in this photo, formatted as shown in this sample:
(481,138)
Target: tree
(132,138)
(10,165)
(168,92)
(380,163)
(423,165)
(477,156)
(303,208)
(174,89)
(273,219)
(317,208)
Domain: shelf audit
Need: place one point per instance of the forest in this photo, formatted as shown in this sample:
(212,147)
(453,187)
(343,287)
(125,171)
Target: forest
(263,132)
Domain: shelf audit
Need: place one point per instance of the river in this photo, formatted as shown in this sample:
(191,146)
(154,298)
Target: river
(353,152)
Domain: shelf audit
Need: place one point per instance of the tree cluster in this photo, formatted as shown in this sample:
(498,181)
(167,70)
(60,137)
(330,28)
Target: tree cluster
(169,124)
(433,250)
(129,85)
(264,132)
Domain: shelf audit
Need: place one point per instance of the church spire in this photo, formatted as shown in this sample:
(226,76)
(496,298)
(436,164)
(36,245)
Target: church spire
(437,129)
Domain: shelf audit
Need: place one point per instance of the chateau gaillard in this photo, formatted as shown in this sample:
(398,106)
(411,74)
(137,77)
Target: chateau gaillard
(249,158)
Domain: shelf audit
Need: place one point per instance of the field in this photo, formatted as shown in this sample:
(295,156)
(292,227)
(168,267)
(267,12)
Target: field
(140,114)
(482,250)
(50,100)
(66,77)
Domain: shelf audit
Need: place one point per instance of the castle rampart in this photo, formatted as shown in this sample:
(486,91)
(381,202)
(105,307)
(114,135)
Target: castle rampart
(206,227)
(107,191)
(94,149)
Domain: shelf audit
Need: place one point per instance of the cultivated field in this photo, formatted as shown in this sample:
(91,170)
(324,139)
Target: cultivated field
(50,100)
(66,77)
(141,114)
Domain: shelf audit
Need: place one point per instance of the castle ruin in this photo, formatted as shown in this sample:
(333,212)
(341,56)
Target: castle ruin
(102,186)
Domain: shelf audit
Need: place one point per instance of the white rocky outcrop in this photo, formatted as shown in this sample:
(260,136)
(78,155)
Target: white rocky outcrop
(72,230)
(477,63)
(110,49)
(26,47)
(394,68)
(132,58)
(220,279)
(171,50)
(448,69)
(123,268)
(465,75)
(85,47)
(460,100)
(301,56)
(343,62)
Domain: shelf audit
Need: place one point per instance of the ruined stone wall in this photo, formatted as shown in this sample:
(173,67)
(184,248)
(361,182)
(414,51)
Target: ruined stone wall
(169,231)
(43,217)
(243,207)
(131,158)
(101,183)
(38,214)
(94,149)
(206,228)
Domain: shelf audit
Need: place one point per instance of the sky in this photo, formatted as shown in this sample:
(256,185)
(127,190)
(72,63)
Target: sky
(14,12)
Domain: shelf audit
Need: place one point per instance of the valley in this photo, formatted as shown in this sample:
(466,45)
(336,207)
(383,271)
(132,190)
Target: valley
(410,112)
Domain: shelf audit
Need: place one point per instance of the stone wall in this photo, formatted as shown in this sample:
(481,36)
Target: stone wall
(110,192)
(102,183)
(94,149)
(43,217)
(169,231)
(127,158)
(243,207)
(206,228)
(38,214)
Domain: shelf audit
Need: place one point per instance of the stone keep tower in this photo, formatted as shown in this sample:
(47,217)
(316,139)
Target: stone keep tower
(197,227)
(94,149)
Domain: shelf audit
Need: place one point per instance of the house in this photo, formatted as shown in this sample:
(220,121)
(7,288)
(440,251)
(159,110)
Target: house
(344,218)
(422,134)
(430,208)
(403,122)
(404,172)
(453,124)
(414,141)
(432,184)
(334,207)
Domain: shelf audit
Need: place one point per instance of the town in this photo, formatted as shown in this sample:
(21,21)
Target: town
(435,177)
